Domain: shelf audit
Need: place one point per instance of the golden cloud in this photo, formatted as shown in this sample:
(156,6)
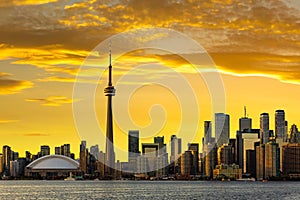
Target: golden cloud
(52,100)
(6,121)
(52,58)
(12,86)
(35,134)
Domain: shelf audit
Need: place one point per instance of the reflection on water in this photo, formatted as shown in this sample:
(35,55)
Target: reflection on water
(148,190)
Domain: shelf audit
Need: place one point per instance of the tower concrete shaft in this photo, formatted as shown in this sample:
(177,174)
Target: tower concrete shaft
(110,154)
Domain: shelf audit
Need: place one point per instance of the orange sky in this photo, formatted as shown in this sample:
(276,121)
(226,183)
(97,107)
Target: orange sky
(254,44)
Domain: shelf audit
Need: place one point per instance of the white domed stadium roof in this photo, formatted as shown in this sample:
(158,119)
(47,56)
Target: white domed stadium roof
(54,162)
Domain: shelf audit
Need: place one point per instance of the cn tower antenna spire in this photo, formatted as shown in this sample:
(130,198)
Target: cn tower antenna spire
(109,53)
(245,112)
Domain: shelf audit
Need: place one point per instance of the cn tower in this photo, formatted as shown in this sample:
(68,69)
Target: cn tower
(109,91)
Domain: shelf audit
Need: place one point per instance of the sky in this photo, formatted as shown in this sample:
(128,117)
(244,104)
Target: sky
(254,45)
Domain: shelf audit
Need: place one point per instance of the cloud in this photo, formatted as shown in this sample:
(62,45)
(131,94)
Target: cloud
(51,58)
(52,100)
(6,121)
(284,68)
(35,134)
(259,28)
(5,3)
(12,86)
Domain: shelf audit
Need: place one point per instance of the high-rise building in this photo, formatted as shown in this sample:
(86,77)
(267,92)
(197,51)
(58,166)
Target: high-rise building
(264,128)
(186,163)
(272,161)
(45,150)
(83,157)
(260,162)
(66,150)
(222,128)
(110,153)
(225,154)
(245,122)
(211,159)
(291,159)
(101,164)
(94,151)
(57,150)
(133,149)
(7,157)
(267,160)
(245,141)
(150,151)
(207,132)
(294,134)
(175,148)
(194,148)
(280,132)
(250,162)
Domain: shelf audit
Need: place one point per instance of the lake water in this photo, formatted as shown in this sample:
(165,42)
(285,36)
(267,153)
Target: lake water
(148,190)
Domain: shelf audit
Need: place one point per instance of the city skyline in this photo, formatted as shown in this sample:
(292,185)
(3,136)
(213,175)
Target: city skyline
(44,43)
(136,142)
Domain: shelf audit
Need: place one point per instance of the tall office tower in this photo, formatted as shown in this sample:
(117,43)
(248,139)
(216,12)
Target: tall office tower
(110,153)
(207,132)
(83,157)
(294,134)
(222,128)
(245,122)
(291,159)
(28,157)
(150,152)
(272,160)
(186,163)
(7,157)
(286,131)
(245,141)
(133,149)
(210,159)
(194,148)
(264,128)
(101,164)
(45,150)
(225,155)
(57,150)
(94,151)
(280,125)
(66,150)
(260,162)
(161,144)
(162,155)
(175,149)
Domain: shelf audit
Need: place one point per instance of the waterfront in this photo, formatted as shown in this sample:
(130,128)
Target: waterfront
(148,190)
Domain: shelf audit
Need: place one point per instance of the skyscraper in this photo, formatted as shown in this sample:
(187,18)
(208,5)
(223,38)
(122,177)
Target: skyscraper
(94,150)
(150,152)
(294,134)
(207,132)
(245,122)
(175,148)
(194,149)
(83,157)
(222,128)
(45,150)
(264,128)
(133,149)
(245,141)
(280,125)
(7,157)
(110,154)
